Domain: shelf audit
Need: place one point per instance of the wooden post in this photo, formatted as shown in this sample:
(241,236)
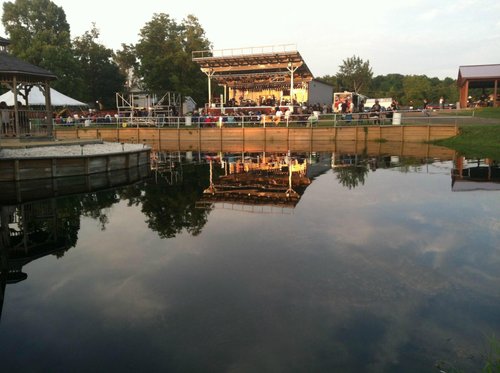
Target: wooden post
(17,175)
(54,168)
(48,108)
(464,93)
(16,116)
(496,101)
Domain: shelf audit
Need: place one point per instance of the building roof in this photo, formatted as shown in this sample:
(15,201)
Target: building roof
(4,42)
(37,98)
(478,72)
(13,66)
(254,68)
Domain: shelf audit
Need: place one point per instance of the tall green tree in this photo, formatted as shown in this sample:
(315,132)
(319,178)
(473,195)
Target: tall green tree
(101,75)
(194,39)
(40,34)
(390,85)
(164,55)
(355,74)
(126,60)
(416,89)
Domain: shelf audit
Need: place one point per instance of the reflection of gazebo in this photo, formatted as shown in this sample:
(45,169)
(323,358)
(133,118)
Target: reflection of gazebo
(480,174)
(20,77)
(479,76)
(27,232)
(254,73)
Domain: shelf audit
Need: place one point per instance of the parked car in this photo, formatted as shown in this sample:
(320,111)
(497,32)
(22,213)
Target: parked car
(435,106)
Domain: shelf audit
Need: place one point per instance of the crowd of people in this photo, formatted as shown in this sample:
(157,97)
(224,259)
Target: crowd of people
(271,116)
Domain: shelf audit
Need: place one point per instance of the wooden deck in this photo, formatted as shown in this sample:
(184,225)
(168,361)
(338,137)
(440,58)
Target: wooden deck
(404,133)
(53,167)
(401,140)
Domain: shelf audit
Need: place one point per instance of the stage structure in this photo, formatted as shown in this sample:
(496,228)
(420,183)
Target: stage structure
(263,184)
(259,77)
(145,104)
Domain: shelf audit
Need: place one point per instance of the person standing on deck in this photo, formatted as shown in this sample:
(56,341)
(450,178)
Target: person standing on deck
(375,112)
(5,117)
(23,119)
(425,107)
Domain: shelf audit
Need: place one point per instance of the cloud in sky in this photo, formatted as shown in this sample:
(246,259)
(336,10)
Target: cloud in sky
(410,37)
(430,15)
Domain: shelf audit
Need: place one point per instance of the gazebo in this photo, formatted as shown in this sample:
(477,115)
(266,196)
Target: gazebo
(256,76)
(479,76)
(20,77)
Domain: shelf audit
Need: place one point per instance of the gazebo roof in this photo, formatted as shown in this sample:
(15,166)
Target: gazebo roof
(12,66)
(478,72)
(4,42)
(254,68)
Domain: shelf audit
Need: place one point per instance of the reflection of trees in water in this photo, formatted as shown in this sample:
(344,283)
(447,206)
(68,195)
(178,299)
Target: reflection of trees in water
(96,205)
(172,208)
(352,170)
(351,176)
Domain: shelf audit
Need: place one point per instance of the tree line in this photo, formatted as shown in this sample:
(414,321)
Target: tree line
(89,71)
(161,60)
(356,75)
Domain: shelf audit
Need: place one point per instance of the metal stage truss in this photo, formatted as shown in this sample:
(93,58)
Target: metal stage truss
(133,103)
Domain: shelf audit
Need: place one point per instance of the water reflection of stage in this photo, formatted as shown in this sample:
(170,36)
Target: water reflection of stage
(250,183)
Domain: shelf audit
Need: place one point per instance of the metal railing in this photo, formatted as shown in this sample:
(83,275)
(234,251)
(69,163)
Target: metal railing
(25,123)
(235,52)
(315,119)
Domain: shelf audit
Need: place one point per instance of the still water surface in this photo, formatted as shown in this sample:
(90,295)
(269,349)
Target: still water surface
(371,264)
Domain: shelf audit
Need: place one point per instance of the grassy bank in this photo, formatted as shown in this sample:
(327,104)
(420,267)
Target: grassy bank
(486,112)
(481,140)
(477,139)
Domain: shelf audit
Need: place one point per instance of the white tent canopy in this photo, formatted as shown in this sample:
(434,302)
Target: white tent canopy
(37,98)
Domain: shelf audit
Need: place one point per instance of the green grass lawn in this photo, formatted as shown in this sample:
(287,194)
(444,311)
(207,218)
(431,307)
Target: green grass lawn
(476,138)
(481,140)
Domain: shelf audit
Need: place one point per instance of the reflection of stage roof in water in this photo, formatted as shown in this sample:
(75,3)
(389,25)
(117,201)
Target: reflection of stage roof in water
(250,197)
(262,184)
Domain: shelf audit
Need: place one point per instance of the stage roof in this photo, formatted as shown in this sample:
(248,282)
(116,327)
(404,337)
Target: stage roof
(255,68)
(479,76)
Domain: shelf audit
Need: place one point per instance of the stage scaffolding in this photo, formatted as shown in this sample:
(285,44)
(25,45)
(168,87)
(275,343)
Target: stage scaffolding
(143,103)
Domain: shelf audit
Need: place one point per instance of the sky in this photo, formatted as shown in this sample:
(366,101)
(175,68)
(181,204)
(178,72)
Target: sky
(421,37)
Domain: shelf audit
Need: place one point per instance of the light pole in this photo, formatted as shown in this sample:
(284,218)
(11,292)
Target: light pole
(209,73)
(292,70)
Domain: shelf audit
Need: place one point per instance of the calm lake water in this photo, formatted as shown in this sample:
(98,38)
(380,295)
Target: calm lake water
(353,263)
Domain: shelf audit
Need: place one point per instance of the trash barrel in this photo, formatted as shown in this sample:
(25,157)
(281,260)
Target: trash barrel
(396,119)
